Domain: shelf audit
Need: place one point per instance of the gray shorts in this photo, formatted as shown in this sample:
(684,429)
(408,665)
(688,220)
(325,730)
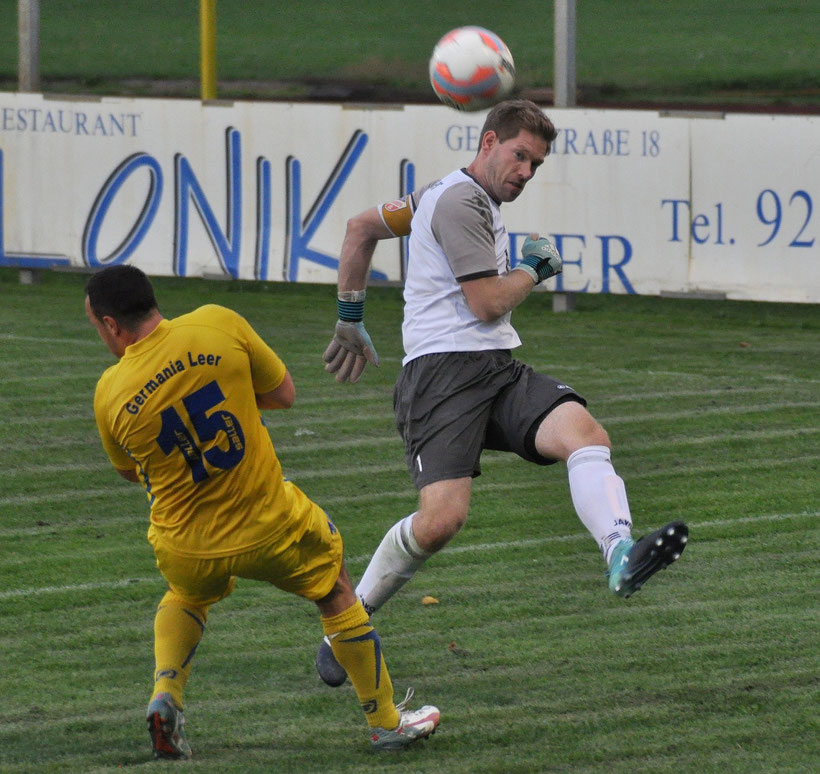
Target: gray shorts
(451,406)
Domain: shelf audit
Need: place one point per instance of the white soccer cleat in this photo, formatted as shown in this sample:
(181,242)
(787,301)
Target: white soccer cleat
(413,725)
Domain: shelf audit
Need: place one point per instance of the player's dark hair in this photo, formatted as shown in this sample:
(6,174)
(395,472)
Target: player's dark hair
(508,118)
(122,292)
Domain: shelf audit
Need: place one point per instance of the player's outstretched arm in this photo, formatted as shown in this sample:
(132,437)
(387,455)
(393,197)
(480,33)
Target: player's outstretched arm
(351,348)
(362,234)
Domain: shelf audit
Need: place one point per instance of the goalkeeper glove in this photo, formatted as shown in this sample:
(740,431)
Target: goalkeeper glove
(351,348)
(540,258)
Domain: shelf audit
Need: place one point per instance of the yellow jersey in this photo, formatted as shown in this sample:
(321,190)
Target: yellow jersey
(179,408)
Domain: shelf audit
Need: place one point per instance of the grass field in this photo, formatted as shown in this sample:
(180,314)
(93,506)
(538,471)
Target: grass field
(713,411)
(693,51)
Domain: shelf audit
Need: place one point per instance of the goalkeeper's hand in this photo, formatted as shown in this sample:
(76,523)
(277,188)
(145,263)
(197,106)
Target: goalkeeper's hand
(349,352)
(540,258)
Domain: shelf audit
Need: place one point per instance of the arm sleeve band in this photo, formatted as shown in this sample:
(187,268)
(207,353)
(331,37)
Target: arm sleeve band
(397,215)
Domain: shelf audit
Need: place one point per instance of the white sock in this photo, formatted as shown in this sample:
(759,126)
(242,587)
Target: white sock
(599,496)
(396,560)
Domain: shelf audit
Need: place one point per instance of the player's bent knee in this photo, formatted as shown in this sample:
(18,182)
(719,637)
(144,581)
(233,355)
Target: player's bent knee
(567,428)
(451,522)
(587,431)
(443,507)
(597,435)
(434,531)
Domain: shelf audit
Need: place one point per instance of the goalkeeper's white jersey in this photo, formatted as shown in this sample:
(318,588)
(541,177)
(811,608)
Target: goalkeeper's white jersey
(456,235)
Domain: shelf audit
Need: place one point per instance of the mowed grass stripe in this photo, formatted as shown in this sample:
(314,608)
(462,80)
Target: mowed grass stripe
(382,414)
(680,470)
(760,436)
(22,473)
(337,395)
(450,550)
(560,706)
(43,340)
(302,409)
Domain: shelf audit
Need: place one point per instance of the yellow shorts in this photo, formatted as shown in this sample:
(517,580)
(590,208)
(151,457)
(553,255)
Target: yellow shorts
(307,562)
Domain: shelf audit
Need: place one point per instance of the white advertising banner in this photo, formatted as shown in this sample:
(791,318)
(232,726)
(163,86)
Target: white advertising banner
(637,201)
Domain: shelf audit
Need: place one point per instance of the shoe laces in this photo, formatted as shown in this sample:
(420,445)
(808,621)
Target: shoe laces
(402,705)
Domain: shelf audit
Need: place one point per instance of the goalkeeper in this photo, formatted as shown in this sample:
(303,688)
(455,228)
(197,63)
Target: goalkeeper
(460,390)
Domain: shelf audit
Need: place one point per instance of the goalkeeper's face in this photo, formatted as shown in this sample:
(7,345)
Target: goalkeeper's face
(504,168)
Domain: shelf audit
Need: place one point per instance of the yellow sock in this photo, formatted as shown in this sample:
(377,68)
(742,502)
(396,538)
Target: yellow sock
(357,647)
(178,628)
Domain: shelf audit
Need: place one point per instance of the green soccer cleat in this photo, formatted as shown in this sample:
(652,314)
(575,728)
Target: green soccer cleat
(166,725)
(413,725)
(633,563)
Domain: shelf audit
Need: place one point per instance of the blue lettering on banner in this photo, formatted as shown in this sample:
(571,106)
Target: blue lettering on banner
(103,201)
(702,227)
(73,122)
(771,210)
(300,231)
(227,246)
(675,215)
(227,243)
(786,217)
(460,137)
(187,189)
(565,242)
(594,142)
(263,218)
(608,265)
(609,142)
(407,184)
(571,247)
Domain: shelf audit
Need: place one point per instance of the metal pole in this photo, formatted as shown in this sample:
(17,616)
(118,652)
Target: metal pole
(28,74)
(564,93)
(28,34)
(207,40)
(564,80)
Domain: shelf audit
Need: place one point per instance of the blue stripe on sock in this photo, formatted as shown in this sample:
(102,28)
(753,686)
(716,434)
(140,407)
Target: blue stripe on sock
(377,645)
(196,618)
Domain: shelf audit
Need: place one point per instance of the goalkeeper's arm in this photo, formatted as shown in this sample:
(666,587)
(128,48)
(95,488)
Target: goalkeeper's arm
(363,232)
(351,348)
(491,297)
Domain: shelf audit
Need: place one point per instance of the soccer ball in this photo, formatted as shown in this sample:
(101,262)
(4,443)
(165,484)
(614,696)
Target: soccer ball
(471,69)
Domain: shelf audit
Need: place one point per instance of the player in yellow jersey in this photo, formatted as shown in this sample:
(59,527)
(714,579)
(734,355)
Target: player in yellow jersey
(179,413)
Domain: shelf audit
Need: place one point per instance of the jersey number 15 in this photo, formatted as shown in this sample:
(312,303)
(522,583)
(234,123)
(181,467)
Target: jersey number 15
(174,434)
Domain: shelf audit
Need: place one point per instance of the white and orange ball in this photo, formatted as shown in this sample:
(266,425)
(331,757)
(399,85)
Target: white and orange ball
(471,69)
